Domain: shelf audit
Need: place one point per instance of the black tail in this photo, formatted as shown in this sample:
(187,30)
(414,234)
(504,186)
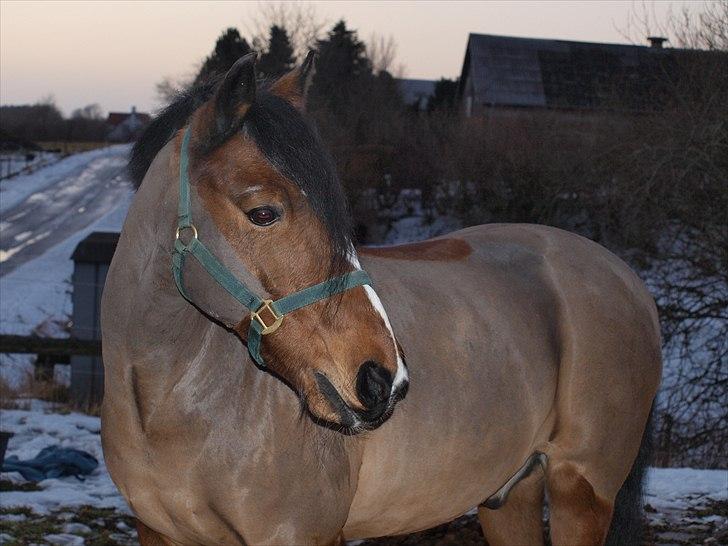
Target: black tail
(627,527)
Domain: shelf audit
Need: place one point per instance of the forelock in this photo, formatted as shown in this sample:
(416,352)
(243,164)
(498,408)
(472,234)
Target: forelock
(292,145)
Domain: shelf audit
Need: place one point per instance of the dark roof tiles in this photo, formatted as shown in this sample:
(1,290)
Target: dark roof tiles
(557,73)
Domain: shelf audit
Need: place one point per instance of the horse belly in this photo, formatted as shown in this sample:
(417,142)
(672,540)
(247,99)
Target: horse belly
(481,396)
(429,474)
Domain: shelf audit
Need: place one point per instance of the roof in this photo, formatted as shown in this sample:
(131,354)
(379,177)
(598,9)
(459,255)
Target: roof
(533,72)
(413,91)
(115,118)
(98,247)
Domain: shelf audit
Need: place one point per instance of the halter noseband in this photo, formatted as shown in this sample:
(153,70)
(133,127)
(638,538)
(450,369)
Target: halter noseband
(275,310)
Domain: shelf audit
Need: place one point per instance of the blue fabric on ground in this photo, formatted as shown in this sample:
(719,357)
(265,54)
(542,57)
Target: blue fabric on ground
(53,462)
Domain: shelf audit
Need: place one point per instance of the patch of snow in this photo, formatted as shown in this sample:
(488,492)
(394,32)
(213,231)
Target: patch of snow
(13,517)
(76,528)
(670,489)
(418,228)
(35,430)
(64,539)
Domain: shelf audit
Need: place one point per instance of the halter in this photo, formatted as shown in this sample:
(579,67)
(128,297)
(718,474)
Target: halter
(275,311)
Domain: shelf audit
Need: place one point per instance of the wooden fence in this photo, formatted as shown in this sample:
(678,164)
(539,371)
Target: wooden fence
(46,346)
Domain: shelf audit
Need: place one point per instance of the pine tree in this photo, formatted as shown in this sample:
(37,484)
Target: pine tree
(342,69)
(278,59)
(230,46)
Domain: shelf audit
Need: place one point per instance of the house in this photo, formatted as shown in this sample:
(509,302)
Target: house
(504,75)
(126,126)
(416,93)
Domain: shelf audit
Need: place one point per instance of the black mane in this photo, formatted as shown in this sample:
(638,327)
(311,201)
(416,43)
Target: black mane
(286,138)
(164,126)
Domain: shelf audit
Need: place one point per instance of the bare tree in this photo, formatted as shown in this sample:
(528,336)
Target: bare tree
(301,21)
(90,111)
(674,167)
(694,26)
(382,54)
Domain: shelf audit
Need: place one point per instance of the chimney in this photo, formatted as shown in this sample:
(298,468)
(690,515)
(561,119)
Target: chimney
(656,41)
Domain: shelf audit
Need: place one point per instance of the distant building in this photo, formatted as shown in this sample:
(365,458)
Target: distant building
(126,127)
(416,93)
(503,74)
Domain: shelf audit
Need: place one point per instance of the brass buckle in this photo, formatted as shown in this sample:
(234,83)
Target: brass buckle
(277,319)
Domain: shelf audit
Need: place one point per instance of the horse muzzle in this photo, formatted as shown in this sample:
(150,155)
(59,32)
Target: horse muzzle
(378,392)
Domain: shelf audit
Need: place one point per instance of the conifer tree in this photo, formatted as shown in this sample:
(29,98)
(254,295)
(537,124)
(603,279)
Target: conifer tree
(342,69)
(230,46)
(278,59)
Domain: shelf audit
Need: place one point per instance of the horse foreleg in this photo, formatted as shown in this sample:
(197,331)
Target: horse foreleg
(520,519)
(578,516)
(149,537)
(339,541)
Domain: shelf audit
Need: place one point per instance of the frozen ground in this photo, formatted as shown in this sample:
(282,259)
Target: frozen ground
(680,500)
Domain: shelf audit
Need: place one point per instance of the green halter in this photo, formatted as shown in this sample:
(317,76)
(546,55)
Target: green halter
(275,310)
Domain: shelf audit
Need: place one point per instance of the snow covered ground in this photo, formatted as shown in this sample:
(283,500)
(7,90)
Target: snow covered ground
(676,496)
(38,429)
(42,209)
(12,164)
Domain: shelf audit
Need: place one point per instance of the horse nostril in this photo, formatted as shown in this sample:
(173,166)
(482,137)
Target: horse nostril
(373,384)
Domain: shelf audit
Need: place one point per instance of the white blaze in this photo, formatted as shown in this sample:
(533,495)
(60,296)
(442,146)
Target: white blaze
(401,376)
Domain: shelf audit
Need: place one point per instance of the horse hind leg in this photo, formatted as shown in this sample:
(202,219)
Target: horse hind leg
(578,515)
(514,515)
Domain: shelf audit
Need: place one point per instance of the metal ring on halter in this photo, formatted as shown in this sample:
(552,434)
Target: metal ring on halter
(277,319)
(191,226)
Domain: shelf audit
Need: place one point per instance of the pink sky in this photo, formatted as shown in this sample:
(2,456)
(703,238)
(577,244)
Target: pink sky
(112,53)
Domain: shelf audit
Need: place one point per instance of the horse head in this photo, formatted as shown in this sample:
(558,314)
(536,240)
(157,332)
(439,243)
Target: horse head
(268,204)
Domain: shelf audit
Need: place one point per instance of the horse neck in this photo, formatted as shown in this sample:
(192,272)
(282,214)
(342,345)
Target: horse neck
(174,373)
(167,341)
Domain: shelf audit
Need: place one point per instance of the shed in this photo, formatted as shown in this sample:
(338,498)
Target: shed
(91,260)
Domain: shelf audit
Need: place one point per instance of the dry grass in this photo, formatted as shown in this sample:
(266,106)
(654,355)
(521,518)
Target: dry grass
(71,147)
(30,388)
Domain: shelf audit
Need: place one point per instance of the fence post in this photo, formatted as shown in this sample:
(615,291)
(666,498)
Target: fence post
(91,263)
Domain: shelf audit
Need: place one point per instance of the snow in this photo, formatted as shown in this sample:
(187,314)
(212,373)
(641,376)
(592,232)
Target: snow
(15,163)
(17,189)
(672,489)
(37,429)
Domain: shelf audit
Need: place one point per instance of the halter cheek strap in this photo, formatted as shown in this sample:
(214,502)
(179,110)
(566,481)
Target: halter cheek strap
(266,316)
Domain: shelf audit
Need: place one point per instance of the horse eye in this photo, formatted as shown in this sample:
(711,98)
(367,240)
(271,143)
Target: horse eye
(263,216)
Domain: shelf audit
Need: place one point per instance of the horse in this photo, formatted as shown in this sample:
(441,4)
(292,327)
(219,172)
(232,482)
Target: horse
(533,354)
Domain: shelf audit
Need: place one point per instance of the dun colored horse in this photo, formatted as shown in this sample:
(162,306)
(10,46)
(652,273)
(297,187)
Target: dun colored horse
(256,376)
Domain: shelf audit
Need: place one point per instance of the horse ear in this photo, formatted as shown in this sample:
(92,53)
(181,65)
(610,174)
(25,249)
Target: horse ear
(294,85)
(235,93)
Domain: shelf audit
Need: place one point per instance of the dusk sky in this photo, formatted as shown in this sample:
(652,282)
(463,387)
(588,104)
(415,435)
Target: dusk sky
(113,53)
